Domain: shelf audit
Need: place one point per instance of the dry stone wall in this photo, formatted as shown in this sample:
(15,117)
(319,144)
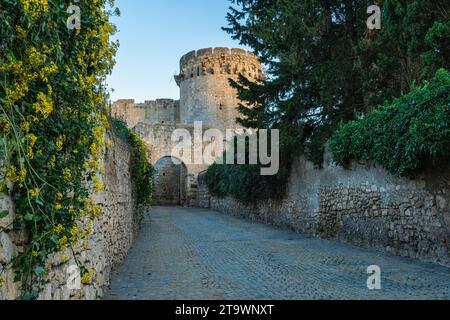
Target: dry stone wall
(106,248)
(364,206)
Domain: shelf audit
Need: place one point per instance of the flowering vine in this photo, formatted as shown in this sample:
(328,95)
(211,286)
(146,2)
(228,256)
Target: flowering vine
(53,123)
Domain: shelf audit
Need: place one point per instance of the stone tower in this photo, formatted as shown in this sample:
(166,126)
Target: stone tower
(206,96)
(205,92)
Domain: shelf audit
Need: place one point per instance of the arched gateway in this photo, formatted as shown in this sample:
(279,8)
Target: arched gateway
(205,96)
(170,181)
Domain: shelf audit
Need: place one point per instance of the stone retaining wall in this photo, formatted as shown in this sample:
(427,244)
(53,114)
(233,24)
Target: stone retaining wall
(108,245)
(364,206)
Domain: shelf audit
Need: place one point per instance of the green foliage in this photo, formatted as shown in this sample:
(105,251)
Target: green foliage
(245,182)
(325,67)
(141,170)
(412,45)
(53,122)
(407,136)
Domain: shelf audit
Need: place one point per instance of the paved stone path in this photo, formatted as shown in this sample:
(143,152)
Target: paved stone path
(203,255)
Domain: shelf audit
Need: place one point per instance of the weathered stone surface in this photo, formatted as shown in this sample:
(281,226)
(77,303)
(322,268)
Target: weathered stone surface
(198,254)
(6,205)
(113,234)
(364,206)
(10,289)
(205,96)
(7,249)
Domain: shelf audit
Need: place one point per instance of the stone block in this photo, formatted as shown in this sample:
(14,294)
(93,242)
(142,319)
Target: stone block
(7,249)
(19,237)
(6,205)
(10,289)
(441,202)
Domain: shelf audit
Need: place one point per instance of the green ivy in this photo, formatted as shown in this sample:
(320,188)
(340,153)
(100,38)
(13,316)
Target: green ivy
(407,136)
(141,170)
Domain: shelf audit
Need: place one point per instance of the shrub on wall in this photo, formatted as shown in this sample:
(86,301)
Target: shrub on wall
(141,170)
(53,123)
(245,182)
(406,136)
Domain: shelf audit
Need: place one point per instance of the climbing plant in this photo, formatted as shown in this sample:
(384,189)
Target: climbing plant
(324,68)
(141,170)
(53,123)
(406,136)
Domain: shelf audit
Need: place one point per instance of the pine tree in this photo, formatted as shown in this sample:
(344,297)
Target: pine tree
(325,67)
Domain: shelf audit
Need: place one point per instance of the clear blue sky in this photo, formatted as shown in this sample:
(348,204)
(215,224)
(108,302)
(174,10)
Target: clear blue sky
(153,36)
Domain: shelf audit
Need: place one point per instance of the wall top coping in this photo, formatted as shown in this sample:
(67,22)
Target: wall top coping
(196,55)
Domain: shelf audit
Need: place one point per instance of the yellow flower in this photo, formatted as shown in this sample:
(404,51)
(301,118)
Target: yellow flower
(35,8)
(52,162)
(62,243)
(31,138)
(64,259)
(87,277)
(59,228)
(21,33)
(52,68)
(34,193)
(19,91)
(74,232)
(34,254)
(98,185)
(67,174)
(11,174)
(94,149)
(58,206)
(94,164)
(5,126)
(26,127)
(43,106)
(60,143)
(92,210)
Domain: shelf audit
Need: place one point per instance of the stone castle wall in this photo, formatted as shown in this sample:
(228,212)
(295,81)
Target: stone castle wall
(108,245)
(364,206)
(153,112)
(128,111)
(205,91)
(205,96)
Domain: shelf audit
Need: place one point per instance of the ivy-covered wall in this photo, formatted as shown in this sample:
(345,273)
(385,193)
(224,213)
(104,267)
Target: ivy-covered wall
(113,233)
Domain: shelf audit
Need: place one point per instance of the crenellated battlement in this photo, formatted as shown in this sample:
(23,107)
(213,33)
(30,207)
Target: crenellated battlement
(219,61)
(206,96)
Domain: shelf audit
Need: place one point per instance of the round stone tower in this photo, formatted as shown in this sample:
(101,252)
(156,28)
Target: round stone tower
(205,92)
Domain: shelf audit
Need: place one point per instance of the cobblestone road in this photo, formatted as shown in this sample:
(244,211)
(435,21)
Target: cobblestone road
(198,254)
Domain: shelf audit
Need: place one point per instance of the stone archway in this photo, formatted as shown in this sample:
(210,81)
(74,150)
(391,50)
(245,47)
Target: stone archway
(170,182)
